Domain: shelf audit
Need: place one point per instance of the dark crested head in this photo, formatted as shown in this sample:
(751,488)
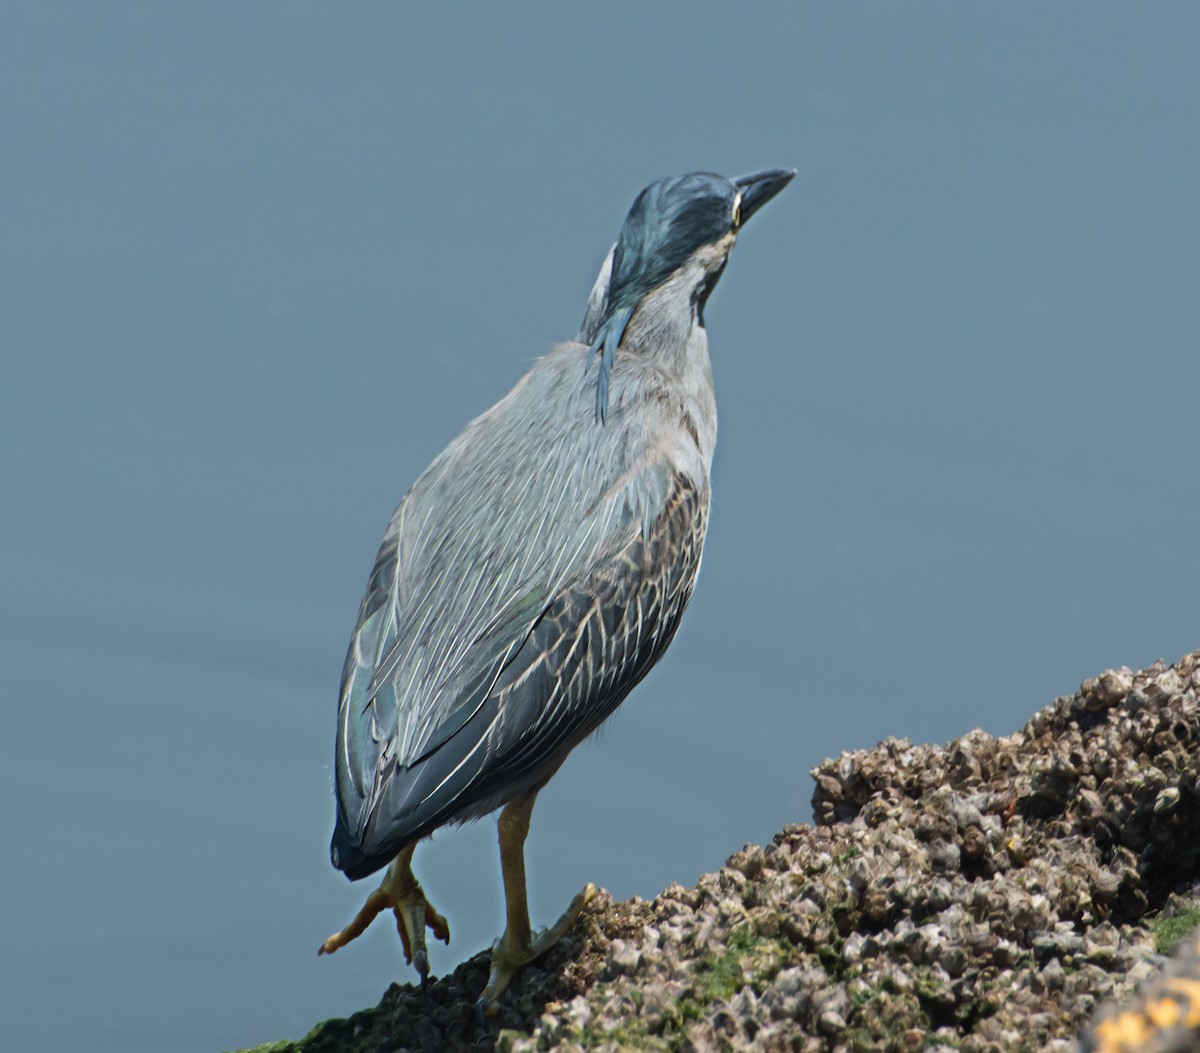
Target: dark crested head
(671,222)
(674,217)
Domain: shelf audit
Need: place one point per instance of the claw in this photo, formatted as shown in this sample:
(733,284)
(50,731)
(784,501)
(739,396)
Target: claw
(376,902)
(400,891)
(507,961)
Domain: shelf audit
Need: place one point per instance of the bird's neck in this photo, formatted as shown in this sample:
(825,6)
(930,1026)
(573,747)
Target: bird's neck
(666,334)
(667,325)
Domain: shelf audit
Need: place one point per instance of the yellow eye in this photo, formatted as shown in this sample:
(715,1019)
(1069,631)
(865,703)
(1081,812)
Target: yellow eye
(737,210)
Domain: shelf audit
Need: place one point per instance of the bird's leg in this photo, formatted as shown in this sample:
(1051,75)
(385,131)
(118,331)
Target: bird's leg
(401,891)
(518,946)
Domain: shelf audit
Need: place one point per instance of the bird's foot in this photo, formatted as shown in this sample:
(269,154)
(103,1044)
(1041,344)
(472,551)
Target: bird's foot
(508,960)
(404,895)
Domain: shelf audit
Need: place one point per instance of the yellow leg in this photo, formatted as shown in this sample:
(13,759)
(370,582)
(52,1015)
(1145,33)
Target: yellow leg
(401,891)
(518,946)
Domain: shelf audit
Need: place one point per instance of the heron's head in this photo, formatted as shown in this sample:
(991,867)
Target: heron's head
(682,225)
(681,218)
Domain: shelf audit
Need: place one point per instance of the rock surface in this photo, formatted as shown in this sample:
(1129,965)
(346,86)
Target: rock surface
(985,895)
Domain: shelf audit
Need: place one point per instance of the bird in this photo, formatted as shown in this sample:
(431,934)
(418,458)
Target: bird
(536,571)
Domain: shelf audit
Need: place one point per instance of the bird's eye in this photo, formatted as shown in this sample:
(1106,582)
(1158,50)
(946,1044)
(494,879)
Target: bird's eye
(737,210)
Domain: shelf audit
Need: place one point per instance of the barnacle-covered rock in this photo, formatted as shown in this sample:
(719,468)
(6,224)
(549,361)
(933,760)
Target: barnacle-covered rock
(983,896)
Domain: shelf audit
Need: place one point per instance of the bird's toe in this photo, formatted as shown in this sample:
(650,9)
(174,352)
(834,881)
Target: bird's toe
(508,960)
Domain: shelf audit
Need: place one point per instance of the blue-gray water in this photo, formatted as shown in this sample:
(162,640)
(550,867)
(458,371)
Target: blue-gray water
(260,262)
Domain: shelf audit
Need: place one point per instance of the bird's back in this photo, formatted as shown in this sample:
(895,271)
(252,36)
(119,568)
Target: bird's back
(525,583)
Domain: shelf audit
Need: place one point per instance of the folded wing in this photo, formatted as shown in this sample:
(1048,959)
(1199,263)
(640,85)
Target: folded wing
(493,640)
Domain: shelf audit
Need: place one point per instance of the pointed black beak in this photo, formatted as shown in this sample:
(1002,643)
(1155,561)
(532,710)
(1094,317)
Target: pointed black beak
(757,189)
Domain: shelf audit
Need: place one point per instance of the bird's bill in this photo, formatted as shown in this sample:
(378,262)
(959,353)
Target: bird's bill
(757,189)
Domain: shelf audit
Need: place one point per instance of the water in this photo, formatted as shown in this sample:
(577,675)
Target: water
(260,264)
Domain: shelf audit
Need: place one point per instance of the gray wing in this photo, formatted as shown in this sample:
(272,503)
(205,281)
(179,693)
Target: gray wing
(560,649)
(592,645)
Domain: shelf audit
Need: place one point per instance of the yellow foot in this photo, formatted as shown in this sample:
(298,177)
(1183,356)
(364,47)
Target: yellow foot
(400,891)
(507,960)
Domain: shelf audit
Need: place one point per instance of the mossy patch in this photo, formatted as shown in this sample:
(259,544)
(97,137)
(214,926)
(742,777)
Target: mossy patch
(747,959)
(335,1036)
(1168,931)
(631,1034)
(723,976)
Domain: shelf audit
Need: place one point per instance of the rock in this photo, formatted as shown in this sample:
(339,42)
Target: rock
(983,896)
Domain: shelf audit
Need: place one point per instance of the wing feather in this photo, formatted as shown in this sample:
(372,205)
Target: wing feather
(575,663)
(525,584)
